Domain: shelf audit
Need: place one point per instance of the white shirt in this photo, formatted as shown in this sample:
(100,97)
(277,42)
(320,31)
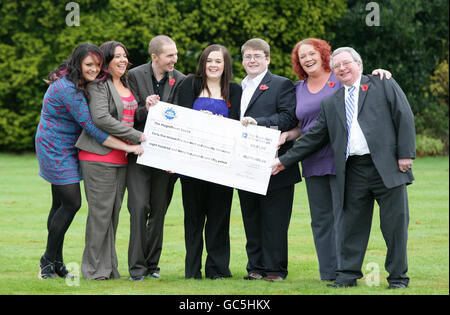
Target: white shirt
(249,87)
(358,143)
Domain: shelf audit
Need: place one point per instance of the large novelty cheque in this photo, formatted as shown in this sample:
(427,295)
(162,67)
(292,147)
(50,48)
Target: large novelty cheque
(209,147)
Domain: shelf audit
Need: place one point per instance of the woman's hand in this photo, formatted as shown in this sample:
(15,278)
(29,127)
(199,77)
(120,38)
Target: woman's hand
(135,149)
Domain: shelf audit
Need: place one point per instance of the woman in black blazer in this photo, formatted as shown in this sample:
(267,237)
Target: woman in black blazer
(210,91)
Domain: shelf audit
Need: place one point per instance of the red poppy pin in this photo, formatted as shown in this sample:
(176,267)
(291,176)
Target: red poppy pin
(331,83)
(263,87)
(364,87)
(171,81)
(228,104)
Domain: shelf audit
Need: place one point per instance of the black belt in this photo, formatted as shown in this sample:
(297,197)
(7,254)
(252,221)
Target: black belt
(364,157)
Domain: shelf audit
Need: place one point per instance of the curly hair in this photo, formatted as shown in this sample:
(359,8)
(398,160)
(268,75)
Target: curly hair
(321,46)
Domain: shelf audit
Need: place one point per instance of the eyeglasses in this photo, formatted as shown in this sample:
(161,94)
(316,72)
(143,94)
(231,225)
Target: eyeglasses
(344,64)
(250,57)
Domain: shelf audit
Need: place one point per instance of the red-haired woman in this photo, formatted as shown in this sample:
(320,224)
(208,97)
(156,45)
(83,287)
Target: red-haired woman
(311,63)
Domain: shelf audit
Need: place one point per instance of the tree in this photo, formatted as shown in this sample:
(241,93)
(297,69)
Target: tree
(435,115)
(35,38)
(410,41)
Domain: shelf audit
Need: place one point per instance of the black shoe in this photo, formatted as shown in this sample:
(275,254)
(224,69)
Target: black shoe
(137,278)
(274,278)
(61,270)
(397,285)
(253,276)
(47,269)
(155,275)
(337,284)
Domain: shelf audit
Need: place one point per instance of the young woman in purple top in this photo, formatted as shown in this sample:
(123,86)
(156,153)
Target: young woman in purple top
(311,62)
(208,205)
(64,114)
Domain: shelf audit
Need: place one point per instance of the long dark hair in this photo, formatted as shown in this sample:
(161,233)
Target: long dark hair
(71,68)
(107,49)
(227,71)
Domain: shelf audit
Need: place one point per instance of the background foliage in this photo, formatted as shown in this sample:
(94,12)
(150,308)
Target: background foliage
(411,41)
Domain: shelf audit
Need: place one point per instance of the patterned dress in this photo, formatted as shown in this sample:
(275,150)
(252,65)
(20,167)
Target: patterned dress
(64,113)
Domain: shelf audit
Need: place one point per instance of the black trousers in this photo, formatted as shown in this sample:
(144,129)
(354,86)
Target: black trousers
(205,201)
(363,185)
(149,194)
(266,222)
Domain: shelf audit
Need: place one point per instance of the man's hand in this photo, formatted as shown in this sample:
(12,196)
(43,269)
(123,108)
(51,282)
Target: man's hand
(151,100)
(277,166)
(382,73)
(405,164)
(248,120)
(283,138)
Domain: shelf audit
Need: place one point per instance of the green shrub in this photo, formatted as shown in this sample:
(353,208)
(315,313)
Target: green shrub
(34,39)
(434,120)
(427,146)
(17,131)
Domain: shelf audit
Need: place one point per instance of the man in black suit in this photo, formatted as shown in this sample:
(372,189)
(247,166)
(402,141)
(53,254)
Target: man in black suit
(267,100)
(150,189)
(370,126)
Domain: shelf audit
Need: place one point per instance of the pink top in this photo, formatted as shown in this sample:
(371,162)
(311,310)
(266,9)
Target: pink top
(115,156)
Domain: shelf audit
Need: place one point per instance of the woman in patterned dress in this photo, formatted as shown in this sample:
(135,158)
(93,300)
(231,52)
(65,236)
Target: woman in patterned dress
(64,114)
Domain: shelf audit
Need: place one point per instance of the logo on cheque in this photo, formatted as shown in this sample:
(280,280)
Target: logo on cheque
(169,114)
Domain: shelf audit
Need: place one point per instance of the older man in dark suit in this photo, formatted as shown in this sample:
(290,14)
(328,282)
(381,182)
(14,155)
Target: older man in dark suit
(267,100)
(370,126)
(150,189)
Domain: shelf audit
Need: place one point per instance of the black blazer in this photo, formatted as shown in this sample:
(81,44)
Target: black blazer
(189,90)
(273,105)
(140,81)
(385,118)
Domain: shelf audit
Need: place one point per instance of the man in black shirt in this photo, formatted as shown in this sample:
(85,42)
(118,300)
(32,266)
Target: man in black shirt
(150,189)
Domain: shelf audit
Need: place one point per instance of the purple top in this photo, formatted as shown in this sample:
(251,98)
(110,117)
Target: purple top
(215,106)
(321,162)
(64,113)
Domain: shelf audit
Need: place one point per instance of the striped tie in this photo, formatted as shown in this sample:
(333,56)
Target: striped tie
(349,110)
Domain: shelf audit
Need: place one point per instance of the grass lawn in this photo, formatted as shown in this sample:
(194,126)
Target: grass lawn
(25,201)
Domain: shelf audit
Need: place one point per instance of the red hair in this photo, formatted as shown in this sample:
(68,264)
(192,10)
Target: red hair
(321,46)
